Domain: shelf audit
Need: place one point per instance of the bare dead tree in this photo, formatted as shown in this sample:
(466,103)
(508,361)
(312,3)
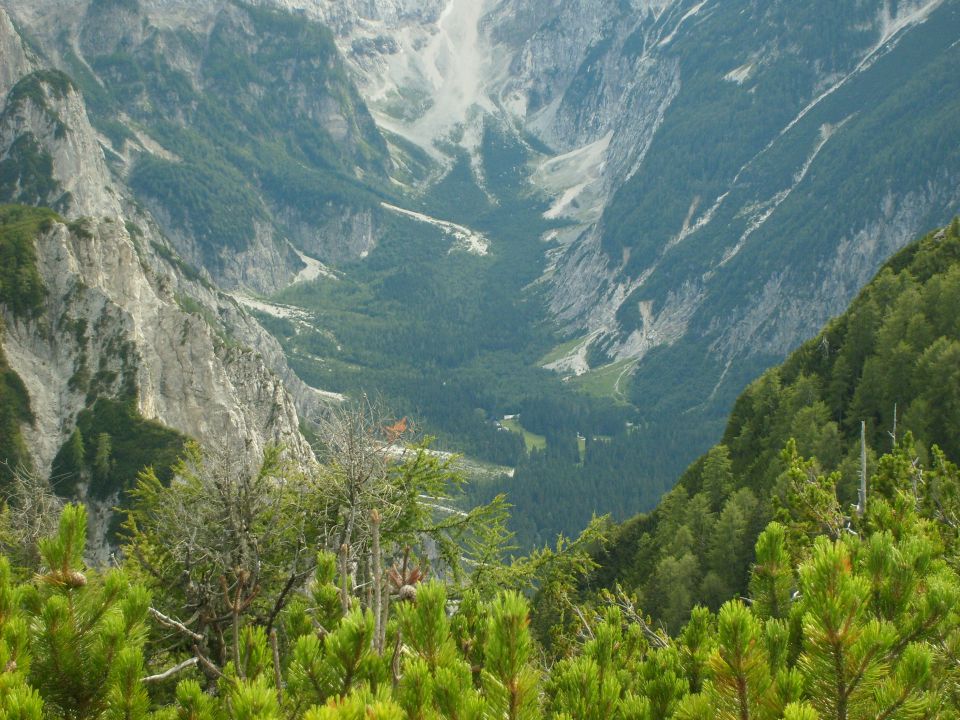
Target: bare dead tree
(862,495)
(376,553)
(386,496)
(31,511)
(228,541)
(358,443)
(893,433)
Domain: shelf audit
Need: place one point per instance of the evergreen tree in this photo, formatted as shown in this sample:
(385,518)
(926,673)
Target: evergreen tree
(771,582)
(90,631)
(509,680)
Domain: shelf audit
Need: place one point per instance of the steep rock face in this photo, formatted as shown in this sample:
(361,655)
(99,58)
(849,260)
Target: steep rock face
(45,111)
(233,123)
(123,317)
(16,59)
(425,68)
(733,171)
(130,333)
(345,235)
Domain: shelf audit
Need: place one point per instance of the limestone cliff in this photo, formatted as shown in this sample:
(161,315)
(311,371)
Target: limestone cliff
(729,168)
(123,317)
(233,123)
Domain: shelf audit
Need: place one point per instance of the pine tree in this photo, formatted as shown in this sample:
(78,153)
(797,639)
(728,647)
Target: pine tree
(717,475)
(844,648)
(18,701)
(742,685)
(510,682)
(90,631)
(771,582)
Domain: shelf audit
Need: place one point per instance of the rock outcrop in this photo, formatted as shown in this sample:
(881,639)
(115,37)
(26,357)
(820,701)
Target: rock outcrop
(123,317)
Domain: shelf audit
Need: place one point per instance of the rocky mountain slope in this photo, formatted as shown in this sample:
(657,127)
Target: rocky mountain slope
(103,326)
(685,189)
(732,172)
(234,124)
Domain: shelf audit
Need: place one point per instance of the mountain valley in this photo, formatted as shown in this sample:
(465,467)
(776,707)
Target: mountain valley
(475,359)
(606,218)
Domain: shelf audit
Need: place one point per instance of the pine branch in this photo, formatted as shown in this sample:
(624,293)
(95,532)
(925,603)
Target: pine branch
(171,623)
(171,672)
(207,664)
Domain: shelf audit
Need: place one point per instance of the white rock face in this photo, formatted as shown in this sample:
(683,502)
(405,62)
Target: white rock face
(114,317)
(78,164)
(185,375)
(15,61)
(424,68)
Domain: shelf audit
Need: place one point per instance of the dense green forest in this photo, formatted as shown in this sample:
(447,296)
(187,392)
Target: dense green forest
(891,361)
(463,350)
(223,607)
(361,590)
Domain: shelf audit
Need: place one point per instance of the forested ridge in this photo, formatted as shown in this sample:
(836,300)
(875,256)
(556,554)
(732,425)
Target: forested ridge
(361,590)
(892,361)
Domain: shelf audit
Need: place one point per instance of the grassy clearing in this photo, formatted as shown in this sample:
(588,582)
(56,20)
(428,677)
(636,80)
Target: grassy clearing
(532,441)
(480,471)
(561,351)
(608,381)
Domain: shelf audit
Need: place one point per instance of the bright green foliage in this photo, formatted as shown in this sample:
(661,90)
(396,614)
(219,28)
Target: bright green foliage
(844,646)
(437,682)
(361,706)
(426,627)
(20,703)
(741,684)
(584,691)
(874,613)
(343,660)
(771,583)
(253,700)
(126,696)
(510,681)
(799,711)
(696,644)
(192,703)
(350,654)
(891,360)
(321,605)
(661,683)
(17,700)
(89,631)
(866,627)
(594,684)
